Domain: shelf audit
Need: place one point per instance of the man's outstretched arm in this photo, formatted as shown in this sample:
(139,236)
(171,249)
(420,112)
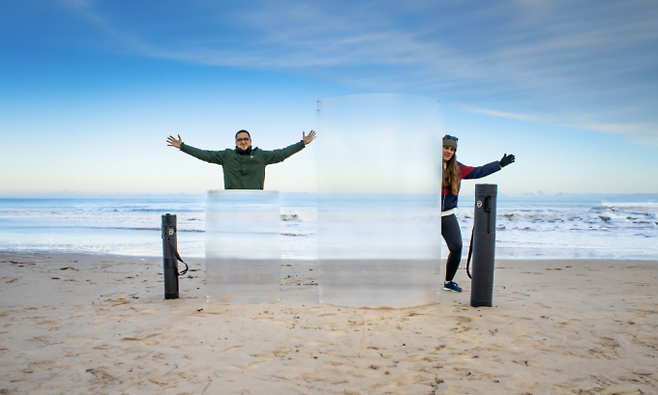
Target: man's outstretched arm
(280,155)
(207,156)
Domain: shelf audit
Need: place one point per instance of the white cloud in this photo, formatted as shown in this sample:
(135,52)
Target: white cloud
(301,34)
(640,133)
(584,56)
(495,113)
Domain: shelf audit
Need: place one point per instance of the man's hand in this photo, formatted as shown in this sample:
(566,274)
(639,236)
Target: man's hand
(173,142)
(309,138)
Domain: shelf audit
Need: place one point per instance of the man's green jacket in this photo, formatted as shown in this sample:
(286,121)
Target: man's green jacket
(243,171)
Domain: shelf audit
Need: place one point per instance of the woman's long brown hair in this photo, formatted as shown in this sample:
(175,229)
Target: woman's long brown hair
(451,177)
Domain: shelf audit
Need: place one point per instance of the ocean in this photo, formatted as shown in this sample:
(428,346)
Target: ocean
(525,228)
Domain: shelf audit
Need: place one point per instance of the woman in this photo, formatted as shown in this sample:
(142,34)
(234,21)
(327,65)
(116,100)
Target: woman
(453,173)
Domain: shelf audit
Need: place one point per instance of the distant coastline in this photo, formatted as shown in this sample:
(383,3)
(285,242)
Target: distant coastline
(528,197)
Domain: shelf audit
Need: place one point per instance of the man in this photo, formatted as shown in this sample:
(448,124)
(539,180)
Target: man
(244,167)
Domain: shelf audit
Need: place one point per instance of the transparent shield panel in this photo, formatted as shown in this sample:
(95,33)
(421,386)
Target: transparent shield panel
(243,246)
(379,172)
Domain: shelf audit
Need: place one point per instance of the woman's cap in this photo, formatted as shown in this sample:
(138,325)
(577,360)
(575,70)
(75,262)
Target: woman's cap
(450,141)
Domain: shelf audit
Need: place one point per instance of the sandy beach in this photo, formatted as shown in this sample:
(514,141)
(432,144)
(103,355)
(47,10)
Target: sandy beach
(98,324)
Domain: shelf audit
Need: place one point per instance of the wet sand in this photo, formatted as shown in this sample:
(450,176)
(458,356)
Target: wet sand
(98,324)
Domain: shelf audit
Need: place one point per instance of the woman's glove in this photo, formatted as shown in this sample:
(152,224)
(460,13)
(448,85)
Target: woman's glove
(506,160)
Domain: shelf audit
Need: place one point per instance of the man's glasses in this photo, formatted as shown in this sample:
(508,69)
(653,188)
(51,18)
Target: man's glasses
(243,139)
(449,137)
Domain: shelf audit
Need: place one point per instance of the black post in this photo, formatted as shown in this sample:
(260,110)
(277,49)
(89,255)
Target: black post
(484,242)
(169,253)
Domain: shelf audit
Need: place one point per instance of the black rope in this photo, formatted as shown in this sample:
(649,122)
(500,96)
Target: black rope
(470,252)
(173,247)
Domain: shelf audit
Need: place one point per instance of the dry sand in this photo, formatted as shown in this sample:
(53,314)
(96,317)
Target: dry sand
(98,324)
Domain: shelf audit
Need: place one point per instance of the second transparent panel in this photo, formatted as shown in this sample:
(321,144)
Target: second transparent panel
(379,171)
(243,246)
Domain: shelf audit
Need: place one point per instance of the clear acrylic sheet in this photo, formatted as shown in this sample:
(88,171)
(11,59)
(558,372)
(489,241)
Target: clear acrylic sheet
(379,172)
(243,246)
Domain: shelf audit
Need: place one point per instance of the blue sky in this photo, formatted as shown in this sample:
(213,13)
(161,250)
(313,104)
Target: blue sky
(89,90)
